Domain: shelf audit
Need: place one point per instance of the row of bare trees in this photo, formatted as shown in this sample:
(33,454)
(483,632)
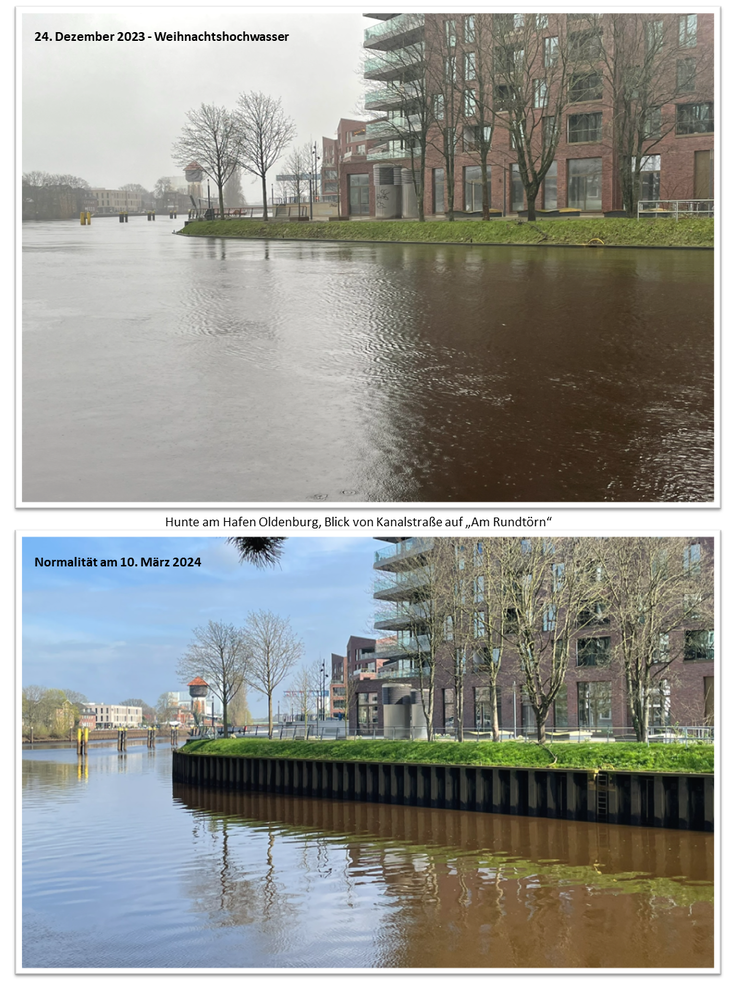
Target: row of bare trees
(252,136)
(475,74)
(474,604)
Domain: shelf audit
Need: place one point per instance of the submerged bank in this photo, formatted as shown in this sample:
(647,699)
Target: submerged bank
(618,232)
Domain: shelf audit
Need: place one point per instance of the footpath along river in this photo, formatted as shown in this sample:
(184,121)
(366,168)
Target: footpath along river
(122,869)
(166,369)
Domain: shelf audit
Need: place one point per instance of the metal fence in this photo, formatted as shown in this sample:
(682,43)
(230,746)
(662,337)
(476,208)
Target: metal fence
(337,730)
(677,208)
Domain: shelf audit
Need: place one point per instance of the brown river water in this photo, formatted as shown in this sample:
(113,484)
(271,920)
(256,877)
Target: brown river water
(123,870)
(165,369)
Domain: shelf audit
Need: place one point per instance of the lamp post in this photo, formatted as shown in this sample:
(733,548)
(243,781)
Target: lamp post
(514,693)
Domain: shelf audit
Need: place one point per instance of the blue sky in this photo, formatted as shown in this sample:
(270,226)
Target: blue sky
(116,633)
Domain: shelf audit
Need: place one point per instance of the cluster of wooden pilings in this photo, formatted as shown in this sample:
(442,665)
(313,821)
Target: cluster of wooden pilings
(660,800)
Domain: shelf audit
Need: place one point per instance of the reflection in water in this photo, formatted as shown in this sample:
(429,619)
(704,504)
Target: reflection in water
(302,371)
(119,872)
(465,889)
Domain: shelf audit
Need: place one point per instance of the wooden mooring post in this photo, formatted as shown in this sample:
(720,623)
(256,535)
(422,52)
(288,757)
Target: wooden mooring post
(122,740)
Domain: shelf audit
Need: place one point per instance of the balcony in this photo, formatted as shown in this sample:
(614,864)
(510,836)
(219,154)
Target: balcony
(404,63)
(397,32)
(401,586)
(399,619)
(393,96)
(402,667)
(408,548)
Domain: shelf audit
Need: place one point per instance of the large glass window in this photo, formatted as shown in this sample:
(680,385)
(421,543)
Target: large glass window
(688,30)
(469,28)
(448,708)
(358,194)
(469,66)
(550,187)
(584,184)
(659,704)
(473,184)
(518,202)
(594,704)
(594,652)
(482,713)
(541,93)
(551,51)
(585,45)
(686,72)
(649,178)
(560,704)
(438,190)
(585,127)
(694,118)
(586,87)
(699,645)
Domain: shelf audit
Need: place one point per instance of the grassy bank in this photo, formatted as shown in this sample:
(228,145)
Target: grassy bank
(693,233)
(590,756)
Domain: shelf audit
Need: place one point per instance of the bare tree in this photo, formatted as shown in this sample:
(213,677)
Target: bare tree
(213,137)
(219,654)
(450,102)
(530,72)
(233,193)
(162,187)
(260,552)
(166,708)
(476,52)
(648,62)
(299,165)
(550,587)
(265,133)
(651,587)
(303,697)
(272,651)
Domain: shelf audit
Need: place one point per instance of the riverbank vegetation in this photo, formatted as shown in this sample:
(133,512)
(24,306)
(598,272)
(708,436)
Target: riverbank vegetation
(580,756)
(650,232)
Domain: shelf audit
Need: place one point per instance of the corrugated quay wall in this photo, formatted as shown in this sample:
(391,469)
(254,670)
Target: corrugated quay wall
(658,800)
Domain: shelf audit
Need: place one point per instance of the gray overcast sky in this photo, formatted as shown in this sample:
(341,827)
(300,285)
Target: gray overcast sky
(108,112)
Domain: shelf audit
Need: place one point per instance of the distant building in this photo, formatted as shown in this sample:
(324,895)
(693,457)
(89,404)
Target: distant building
(113,201)
(111,716)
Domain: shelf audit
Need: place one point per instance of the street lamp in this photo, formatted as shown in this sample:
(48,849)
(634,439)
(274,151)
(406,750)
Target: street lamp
(514,691)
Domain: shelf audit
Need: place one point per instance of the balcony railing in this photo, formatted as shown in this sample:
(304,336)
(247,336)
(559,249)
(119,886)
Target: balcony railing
(681,208)
(407,548)
(393,95)
(394,64)
(398,30)
(386,128)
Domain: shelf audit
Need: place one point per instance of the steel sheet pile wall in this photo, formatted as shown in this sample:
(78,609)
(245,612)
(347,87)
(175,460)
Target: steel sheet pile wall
(658,800)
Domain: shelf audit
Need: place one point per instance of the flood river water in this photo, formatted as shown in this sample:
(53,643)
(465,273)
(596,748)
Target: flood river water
(159,368)
(122,869)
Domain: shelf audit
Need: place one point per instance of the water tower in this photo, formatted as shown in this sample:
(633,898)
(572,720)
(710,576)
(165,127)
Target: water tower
(198,693)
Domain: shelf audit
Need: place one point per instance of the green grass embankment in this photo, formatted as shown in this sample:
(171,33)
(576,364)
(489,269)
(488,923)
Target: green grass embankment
(582,756)
(687,233)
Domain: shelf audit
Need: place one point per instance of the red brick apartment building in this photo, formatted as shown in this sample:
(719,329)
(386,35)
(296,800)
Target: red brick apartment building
(596,91)
(425,611)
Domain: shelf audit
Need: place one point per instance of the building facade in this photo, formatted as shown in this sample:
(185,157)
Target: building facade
(483,82)
(112,716)
(113,201)
(593,695)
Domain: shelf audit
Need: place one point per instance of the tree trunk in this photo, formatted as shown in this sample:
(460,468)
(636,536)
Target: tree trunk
(265,198)
(221,196)
(531,203)
(224,719)
(486,204)
(270,715)
(494,712)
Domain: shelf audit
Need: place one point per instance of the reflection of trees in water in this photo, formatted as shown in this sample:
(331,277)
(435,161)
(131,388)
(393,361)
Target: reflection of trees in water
(444,888)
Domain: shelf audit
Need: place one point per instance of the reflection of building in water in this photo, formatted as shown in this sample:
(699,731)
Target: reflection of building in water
(462,889)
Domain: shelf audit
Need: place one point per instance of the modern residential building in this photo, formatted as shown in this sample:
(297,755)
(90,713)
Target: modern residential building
(593,695)
(460,86)
(111,716)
